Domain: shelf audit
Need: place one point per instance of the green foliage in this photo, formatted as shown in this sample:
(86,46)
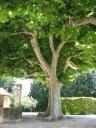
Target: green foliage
(6,83)
(82,85)
(80,105)
(28,104)
(39,92)
(85,85)
(47,17)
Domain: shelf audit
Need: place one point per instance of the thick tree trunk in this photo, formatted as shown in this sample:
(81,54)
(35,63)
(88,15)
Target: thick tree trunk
(55,100)
(53,111)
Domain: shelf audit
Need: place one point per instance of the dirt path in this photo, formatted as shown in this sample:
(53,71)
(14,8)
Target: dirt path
(30,120)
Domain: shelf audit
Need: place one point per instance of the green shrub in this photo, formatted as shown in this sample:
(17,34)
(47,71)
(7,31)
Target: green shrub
(78,105)
(28,104)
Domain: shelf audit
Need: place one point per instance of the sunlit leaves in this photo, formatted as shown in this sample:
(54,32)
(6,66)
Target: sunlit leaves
(3,16)
(47,17)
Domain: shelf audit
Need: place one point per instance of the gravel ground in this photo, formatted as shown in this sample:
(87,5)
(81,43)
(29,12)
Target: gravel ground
(30,120)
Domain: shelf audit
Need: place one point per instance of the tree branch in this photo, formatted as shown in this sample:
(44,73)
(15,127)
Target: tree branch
(38,53)
(21,70)
(26,75)
(60,46)
(70,64)
(12,58)
(29,61)
(35,47)
(88,20)
(23,32)
(56,56)
(46,74)
(51,43)
(33,74)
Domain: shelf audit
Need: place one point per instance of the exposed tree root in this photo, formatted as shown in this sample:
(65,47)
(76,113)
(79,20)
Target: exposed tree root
(43,114)
(50,118)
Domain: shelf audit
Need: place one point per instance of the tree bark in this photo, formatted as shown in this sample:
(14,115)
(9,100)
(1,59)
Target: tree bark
(55,99)
(53,111)
(84,21)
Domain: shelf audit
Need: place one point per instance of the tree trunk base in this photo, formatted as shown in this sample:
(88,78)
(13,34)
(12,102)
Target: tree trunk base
(43,114)
(49,118)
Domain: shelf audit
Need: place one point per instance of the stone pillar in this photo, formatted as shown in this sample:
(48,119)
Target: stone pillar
(1,115)
(18,95)
(1,100)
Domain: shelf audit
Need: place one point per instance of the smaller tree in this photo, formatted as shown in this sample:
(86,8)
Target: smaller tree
(39,92)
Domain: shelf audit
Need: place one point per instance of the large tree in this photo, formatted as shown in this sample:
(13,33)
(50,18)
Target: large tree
(62,34)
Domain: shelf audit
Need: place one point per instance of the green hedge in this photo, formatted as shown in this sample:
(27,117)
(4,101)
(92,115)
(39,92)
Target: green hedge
(78,105)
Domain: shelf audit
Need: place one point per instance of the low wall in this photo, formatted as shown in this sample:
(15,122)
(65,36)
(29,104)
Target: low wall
(8,115)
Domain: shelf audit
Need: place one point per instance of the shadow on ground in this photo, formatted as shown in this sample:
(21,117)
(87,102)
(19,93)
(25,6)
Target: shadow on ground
(30,120)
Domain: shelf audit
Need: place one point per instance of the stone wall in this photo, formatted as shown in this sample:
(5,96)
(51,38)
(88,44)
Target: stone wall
(9,115)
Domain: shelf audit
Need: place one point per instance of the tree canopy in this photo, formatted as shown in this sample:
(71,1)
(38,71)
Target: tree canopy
(62,18)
